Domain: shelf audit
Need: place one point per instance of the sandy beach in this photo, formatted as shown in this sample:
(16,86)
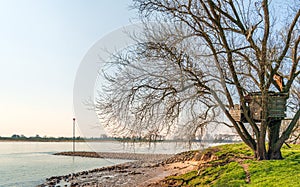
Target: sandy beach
(144,170)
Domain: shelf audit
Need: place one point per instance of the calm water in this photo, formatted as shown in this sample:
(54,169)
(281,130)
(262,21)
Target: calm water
(25,164)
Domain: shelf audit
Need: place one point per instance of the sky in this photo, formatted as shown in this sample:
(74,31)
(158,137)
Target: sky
(42,43)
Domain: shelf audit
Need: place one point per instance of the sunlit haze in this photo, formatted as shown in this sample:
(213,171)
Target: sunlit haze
(42,45)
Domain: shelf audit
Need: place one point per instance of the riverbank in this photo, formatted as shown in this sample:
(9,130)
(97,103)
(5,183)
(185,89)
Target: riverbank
(230,164)
(234,165)
(145,170)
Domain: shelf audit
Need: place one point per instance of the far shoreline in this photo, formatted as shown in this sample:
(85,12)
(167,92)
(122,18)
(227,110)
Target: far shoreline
(115,140)
(71,141)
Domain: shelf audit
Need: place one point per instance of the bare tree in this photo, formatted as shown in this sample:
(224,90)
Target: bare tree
(206,58)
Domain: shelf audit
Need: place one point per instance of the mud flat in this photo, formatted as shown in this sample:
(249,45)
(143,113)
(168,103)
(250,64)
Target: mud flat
(125,156)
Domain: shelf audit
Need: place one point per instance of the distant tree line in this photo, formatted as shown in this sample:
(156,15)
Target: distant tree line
(16,137)
(104,137)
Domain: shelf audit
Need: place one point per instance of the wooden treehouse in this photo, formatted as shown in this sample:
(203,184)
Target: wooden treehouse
(276,106)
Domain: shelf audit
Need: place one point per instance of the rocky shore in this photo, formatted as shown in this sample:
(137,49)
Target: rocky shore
(146,170)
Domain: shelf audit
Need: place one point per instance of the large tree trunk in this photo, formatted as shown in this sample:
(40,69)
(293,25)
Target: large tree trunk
(260,152)
(274,154)
(273,134)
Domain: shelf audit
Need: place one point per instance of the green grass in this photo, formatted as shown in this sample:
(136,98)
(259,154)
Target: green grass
(234,149)
(228,169)
(277,172)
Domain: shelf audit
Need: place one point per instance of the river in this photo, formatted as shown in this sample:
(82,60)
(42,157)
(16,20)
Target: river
(27,164)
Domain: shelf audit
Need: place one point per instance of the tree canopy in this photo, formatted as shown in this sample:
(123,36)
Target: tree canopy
(199,60)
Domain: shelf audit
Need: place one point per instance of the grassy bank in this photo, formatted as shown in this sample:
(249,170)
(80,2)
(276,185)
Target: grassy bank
(233,165)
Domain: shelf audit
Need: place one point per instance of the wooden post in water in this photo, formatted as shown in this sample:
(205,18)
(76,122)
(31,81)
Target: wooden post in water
(73,135)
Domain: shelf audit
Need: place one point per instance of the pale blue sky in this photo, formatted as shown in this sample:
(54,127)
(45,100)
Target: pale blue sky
(42,43)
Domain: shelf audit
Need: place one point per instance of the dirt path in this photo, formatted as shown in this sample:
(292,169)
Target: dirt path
(248,176)
(170,169)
